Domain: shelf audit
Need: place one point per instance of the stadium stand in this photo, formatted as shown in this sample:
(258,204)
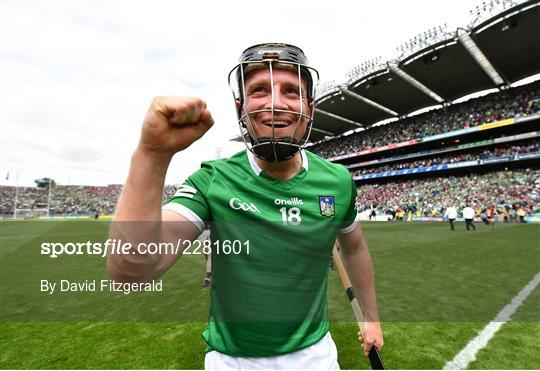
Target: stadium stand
(484,150)
(516,103)
(421,177)
(73,200)
(430,197)
(65,200)
(476,152)
(474,155)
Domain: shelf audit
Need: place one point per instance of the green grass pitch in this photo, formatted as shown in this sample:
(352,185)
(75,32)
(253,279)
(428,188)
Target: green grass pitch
(436,290)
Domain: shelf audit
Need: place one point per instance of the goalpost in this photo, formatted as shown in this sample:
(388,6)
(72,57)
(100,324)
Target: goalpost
(30,213)
(22,213)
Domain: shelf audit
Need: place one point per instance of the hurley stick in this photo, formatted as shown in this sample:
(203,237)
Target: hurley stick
(374,355)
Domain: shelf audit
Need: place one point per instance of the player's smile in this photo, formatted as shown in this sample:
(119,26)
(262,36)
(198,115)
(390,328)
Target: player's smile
(276,123)
(284,95)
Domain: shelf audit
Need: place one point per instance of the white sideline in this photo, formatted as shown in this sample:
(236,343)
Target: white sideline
(468,354)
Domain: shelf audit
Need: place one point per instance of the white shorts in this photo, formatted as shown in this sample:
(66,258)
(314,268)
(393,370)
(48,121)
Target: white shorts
(319,356)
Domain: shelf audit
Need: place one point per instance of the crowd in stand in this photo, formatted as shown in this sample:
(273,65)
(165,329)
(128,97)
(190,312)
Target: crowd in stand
(479,154)
(515,102)
(64,200)
(425,196)
(430,197)
(30,198)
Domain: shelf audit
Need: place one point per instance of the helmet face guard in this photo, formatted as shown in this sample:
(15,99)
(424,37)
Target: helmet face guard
(271,57)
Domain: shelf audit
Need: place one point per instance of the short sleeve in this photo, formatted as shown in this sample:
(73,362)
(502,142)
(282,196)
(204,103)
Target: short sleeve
(190,200)
(349,223)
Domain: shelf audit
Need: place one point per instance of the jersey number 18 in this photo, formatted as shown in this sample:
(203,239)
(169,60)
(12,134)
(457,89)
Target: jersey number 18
(292,216)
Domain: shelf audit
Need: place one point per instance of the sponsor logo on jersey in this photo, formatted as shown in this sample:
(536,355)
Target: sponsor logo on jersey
(327,205)
(185,191)
(237,204)
(291,201)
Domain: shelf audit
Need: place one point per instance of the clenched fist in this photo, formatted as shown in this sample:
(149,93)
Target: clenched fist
(173,123)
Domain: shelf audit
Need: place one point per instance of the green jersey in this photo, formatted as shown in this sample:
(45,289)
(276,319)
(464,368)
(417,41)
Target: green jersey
(271,243)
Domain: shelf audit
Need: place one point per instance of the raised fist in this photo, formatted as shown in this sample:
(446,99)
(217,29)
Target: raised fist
(173,123)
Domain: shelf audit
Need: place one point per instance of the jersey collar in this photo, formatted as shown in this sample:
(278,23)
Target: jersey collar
(257,170)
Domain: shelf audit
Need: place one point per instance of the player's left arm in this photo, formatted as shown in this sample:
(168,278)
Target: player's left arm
(357,261)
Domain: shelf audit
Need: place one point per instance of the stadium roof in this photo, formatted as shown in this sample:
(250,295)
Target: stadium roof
(494,53)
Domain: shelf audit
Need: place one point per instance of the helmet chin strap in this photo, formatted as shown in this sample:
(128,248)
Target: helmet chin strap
(276,149)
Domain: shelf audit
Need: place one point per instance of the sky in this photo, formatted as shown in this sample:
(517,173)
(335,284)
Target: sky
(76,77)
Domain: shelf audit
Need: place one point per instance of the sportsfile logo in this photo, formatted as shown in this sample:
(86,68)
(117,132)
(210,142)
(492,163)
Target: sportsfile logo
(291,201)
(237,204)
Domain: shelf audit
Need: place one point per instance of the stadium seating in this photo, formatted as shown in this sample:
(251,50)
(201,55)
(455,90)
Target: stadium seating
(516,102)
(430,197)
(479,154)
(426,196)
(498,168)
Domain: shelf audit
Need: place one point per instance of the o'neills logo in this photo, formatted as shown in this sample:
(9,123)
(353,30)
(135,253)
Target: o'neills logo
(291,201)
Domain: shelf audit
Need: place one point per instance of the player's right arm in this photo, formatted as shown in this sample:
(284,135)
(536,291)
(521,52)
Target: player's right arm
(171,125)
